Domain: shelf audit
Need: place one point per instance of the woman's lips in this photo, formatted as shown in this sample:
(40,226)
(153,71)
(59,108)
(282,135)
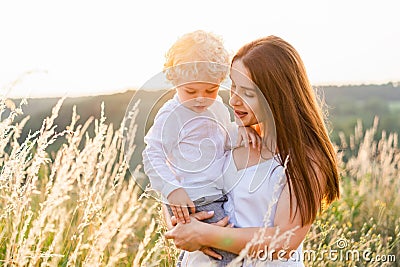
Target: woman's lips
(240,114)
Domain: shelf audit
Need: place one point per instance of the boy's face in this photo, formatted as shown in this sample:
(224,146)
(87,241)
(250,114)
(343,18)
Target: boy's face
(197,96)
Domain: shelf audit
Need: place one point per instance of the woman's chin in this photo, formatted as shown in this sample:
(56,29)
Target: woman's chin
(239,122)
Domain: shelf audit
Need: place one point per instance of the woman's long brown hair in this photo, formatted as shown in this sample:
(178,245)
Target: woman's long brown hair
(312,174)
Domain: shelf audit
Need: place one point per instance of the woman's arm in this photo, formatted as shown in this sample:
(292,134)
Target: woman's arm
(170,222)
(196,234)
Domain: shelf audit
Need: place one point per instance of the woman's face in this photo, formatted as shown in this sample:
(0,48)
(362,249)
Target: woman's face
(244,96)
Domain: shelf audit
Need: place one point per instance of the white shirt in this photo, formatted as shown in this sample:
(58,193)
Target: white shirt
(186,149)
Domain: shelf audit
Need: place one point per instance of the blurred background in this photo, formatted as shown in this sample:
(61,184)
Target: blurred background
(80,48)
(95,51)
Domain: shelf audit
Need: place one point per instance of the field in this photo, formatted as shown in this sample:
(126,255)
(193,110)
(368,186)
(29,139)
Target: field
(394,106)
(76,207)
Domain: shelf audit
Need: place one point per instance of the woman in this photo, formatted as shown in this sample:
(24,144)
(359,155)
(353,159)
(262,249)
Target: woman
(301,150)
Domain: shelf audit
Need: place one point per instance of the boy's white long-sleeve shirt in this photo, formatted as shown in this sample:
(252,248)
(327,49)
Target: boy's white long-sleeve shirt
(186,149)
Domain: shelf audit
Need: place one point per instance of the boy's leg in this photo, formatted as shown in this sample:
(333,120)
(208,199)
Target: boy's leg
(219,214)
(202,204)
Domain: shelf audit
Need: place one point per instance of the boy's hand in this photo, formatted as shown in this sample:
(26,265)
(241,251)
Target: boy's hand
(248,135)
(179,202)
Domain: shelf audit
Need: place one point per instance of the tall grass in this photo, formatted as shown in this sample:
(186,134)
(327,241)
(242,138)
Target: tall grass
(76,207)
(366,219)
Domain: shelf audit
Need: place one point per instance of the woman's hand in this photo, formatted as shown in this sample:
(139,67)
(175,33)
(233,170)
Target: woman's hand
(209,252)
(188,236)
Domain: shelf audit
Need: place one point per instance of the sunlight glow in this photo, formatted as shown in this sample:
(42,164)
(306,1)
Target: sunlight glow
(93,47)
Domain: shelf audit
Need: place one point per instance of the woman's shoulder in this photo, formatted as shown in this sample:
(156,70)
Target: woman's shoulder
(245,157)
(240,156)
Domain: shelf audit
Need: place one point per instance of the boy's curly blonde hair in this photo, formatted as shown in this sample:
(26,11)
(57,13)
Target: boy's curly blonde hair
(194,52)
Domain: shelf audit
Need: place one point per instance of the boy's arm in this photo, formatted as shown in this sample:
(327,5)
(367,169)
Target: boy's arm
(158,146)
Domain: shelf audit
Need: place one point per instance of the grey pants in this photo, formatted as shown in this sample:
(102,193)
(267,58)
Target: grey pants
(219,214)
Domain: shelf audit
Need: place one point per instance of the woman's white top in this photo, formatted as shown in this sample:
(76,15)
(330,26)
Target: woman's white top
(252,199)
(187,149)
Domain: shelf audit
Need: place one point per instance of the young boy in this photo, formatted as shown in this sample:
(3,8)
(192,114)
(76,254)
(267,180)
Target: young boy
(185,147)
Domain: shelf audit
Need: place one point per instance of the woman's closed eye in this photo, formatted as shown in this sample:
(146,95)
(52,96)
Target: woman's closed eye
(246,92)
(249,93)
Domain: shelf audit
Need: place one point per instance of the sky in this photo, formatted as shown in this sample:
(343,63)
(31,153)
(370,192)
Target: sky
(70,48)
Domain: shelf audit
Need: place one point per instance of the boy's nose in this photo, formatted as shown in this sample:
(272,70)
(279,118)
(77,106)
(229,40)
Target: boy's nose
(200,99)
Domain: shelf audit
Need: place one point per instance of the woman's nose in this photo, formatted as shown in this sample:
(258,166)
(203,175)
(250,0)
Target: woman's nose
(234,100)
